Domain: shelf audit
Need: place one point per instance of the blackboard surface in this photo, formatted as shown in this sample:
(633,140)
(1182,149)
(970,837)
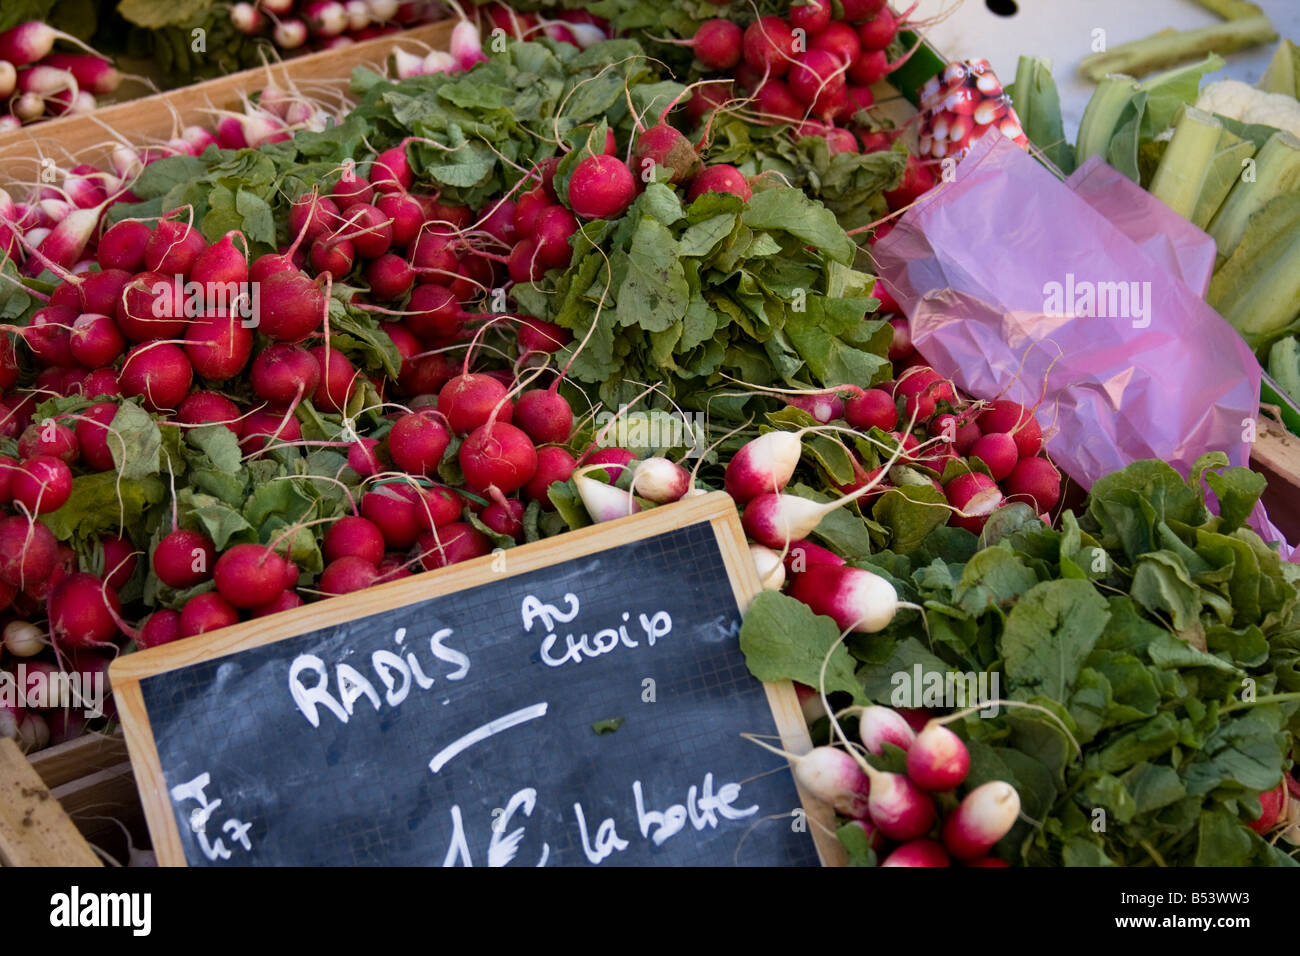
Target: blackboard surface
(365,792)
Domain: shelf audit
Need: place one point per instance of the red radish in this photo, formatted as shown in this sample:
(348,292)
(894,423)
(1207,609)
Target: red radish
(218,346)
(394,509)
(998,451)
(802,554)
(283,373)
(42,484)
(601,187)
(988,861)
(812,16)
(368,229)
(984,817)
(872,408)
(362,458)
(917,180)
(49,438)
(524,263)
(151,307)
(764,465)
(878,32)
(619,457)
(660,480)
(312,216)
(48,335)
(337,379)
(158,371)
(268,427)
(268,265)
(717,44)
(453,543)
(334,256)
(417,442)
(184,558)
(436,507)
(405,214)
(208,408)
(975,496)
(662,145)
(545,416)
(768,46)
(352,189)
(499,221)
(352,536)
(247,19)
(771,572)
(855,11)
(937,760)
(391,172)
(553,464)
(205,612)
(173,248)
(292,307)
(93,435)
(878,726)
(220,263)
(390,277)
(536,335)
(918,853)
(83,612)
(284,601)
(468,401)
(604,502)
(855,599)
(834,777)
(704,100)
(434,314)
(347,574)
(554,227)
(530,206)
(95,341)
(1271,803)
(1014,419)
(250,574)
(1036,482)
(161,627)
(719,178)
(817,80)
(497,455)
(505,517)
(100,291)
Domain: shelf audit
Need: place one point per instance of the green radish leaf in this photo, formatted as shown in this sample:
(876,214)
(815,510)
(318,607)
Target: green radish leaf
(783,640)
(135,442)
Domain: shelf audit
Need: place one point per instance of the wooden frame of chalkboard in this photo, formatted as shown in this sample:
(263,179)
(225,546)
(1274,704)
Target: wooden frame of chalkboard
(717,509)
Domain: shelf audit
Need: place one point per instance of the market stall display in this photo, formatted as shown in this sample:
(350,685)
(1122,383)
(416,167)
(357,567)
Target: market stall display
(578,280)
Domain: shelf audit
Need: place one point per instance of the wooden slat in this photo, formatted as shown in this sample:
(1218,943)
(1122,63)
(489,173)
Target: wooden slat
(1276,455)
(155,119)
(77,758)
(35,830)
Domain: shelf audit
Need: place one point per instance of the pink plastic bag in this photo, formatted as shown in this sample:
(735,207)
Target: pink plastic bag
(1018,286)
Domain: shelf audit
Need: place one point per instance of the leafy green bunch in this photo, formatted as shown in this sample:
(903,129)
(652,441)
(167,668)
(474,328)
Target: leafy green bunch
(1160,638)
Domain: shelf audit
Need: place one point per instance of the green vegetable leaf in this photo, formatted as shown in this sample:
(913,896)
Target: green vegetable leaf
(783,640)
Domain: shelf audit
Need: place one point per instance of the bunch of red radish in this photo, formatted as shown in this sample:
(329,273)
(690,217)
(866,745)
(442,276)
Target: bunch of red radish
(912,818)
(39,82)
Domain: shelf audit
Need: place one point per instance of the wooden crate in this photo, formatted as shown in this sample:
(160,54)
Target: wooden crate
(154,119)
(1276,455)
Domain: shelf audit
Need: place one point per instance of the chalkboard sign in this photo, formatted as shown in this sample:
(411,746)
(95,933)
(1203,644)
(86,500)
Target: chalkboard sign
(576,701)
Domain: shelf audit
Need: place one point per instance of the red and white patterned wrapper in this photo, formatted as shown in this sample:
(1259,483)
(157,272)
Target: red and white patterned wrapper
(959,106)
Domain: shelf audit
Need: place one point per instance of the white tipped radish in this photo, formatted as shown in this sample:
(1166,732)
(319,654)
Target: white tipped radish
(764,465)
(8,79)
(407,65)
(32,41)
(126,162)
(28,107)
(918,853)
(660,480)
(289,34)
(438,61)
(24,639)
(358,14)
(93,73)
(899,808)
(45,80)
(855,599)
(604,502)
(834,777)
(247,19)
(381,11)
(878,726)
(326,18)
(9,123)
(771,571)
(938,760)
(983,818)
(465,45)
(586,34)
(276,7)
